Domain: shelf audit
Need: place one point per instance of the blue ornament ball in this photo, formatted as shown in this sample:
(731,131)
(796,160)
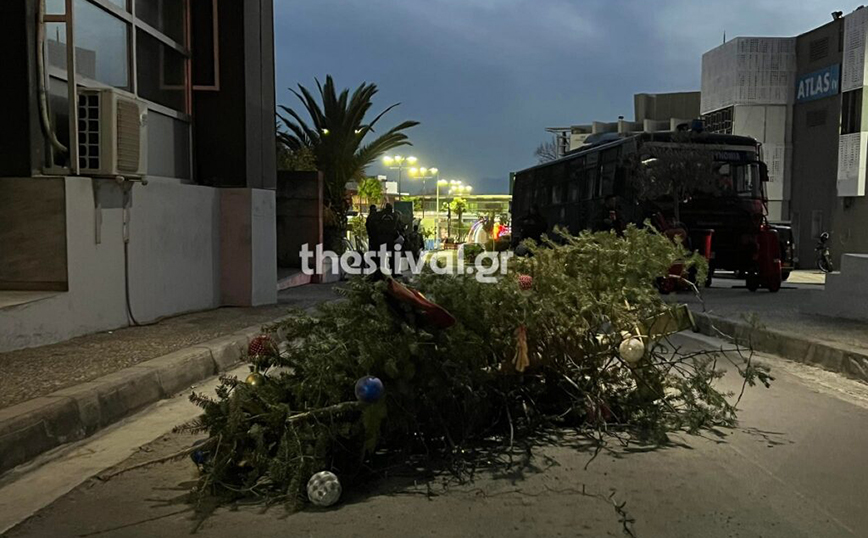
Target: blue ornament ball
(369,389)
(199,456)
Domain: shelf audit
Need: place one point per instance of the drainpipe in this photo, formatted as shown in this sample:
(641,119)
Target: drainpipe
(45,120)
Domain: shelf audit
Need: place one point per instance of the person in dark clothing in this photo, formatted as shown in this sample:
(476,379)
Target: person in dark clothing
(370,226)
(610,217)
(533,225)
(415,242)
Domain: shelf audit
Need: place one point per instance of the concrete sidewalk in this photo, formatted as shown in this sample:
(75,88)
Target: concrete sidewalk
(838,345)
(67,391)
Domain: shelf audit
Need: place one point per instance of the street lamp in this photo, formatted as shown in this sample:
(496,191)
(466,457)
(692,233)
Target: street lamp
(423,174)
(440,183)
(399,163)
(456,188)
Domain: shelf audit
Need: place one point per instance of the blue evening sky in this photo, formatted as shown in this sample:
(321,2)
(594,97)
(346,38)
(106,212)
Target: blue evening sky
(485,77)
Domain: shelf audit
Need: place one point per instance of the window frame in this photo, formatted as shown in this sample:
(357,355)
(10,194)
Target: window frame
(134,24)
(851,111)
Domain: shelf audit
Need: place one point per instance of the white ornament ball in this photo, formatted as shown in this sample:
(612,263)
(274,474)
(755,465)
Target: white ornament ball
(632,350)
(324,488)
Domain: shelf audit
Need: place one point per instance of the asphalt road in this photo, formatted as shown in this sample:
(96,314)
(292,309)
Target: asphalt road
(795,467)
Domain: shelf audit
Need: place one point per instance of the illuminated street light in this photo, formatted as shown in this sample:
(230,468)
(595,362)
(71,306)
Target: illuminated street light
(397,162)
(424,174)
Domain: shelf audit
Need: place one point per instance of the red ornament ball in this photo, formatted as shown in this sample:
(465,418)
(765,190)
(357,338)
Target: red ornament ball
(261,346)
(525,282)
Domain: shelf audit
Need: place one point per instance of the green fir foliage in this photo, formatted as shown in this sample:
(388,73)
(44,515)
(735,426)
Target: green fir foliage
(447,390)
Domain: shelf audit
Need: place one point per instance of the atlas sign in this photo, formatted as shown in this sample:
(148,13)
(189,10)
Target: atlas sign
(819,84)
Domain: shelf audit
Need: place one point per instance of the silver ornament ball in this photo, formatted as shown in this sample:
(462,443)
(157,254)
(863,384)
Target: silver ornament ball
(324,488)
(632,350)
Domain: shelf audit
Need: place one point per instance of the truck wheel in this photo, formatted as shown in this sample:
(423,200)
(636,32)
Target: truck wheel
(752,280)
(774,286)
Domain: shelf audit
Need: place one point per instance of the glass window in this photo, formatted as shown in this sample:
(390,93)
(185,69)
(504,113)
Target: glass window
(203,34)
(167,16)
(168,146)
(55,37)
(851,112)
(590,184)
(55,7)
(101,45)
(161,72)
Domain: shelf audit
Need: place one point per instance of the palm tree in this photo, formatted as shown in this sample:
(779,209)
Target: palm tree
(335,133)
(458,206)
(370,191)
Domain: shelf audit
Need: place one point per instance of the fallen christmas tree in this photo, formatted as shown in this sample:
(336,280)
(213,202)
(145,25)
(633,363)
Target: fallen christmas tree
(572,336)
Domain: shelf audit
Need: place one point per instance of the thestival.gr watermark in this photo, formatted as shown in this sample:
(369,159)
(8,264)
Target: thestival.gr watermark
(319,262)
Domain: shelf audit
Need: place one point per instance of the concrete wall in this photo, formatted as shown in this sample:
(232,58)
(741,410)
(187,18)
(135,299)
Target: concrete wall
(662,106)
(173,252)
(770,124)
(749,71)
(846,293)
(248,251)
(174,248)
(264,246)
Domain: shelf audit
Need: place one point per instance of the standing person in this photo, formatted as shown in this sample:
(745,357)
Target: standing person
(610,217)
(370,226)
(415,241)
(386,231)
(533,225)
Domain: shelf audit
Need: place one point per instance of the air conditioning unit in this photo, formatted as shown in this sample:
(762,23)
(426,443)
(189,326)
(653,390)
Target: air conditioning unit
(112,134)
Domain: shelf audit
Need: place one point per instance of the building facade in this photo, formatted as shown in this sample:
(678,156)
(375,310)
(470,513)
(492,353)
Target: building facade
(816,131)
(137,163)
(747,90)
(802,98)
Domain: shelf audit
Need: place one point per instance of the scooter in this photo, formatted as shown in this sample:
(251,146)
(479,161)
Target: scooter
(824,259)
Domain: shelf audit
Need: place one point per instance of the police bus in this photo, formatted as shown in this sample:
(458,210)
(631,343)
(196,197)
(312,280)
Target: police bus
(571,192)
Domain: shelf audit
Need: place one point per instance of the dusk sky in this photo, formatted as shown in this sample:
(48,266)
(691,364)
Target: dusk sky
(485,77)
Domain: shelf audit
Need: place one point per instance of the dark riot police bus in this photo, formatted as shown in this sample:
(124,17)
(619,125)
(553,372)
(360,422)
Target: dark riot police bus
(571,192)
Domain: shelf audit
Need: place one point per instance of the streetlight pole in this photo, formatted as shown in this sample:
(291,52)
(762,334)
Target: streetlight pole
(457,188)
(440,183)
(424,174)
(397,163)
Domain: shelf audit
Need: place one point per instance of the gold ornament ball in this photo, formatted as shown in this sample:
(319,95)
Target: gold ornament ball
(255,380)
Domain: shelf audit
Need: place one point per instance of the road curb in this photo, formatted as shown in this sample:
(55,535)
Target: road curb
(71,414)
(849,362)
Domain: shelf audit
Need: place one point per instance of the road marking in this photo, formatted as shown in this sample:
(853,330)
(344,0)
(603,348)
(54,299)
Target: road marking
(33,486)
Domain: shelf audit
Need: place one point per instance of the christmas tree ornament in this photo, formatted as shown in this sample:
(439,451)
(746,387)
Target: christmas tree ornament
(261,346)
(369,389)
(520,361)
(428,311)
(199,456)
(632,350)
(324,488)
(525,282)
(255,379)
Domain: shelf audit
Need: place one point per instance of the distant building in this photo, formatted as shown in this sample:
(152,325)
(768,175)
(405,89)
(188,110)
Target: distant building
(802,97)
(747,89)
(652,112)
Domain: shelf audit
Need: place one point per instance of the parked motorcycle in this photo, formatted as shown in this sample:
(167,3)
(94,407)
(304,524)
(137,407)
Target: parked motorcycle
(824,258)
